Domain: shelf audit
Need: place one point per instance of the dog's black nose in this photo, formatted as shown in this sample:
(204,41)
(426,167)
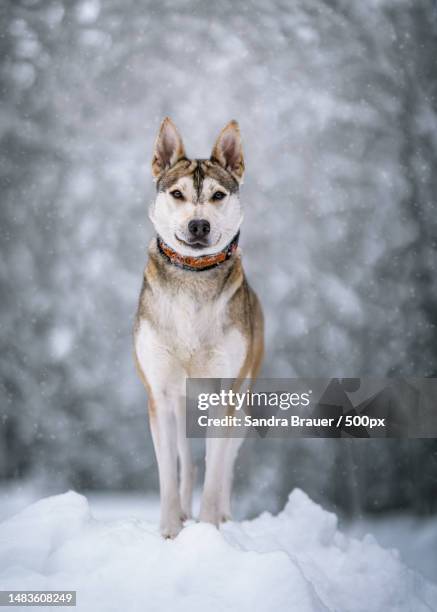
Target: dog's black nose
(199,228)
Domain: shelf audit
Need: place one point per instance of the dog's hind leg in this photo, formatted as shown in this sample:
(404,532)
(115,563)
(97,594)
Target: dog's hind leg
(186,467)
(232,449)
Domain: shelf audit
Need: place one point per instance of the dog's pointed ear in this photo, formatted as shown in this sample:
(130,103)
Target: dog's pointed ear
(228,150)
(169,148)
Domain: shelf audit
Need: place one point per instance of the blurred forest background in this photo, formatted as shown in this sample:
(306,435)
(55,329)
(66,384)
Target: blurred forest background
(337,102)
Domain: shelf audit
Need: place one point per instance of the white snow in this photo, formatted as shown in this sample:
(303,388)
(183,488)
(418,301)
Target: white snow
(297,560)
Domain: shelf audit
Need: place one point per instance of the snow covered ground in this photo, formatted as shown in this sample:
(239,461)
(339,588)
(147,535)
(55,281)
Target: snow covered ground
(298,560)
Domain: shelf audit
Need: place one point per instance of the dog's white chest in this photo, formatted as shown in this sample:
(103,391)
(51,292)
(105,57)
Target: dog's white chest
(196,334)
(187,325)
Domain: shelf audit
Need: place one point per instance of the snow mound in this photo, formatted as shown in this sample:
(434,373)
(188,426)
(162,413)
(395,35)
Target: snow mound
(297,560)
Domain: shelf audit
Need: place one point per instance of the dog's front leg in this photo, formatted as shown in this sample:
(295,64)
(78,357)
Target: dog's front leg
(163,427)
(220,458)
(227,362)
(165,382)
(211,505)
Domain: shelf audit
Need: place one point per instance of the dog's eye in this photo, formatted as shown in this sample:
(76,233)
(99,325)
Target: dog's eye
(218,195)
(177,194)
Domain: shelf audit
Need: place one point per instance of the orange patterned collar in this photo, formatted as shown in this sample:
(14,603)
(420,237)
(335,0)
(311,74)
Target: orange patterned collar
(201,262)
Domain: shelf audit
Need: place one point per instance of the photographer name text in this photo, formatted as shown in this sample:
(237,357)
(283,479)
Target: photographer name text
(290,421)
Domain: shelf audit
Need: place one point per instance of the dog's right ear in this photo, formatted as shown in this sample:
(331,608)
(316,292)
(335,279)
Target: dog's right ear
(169,148)
(228,151)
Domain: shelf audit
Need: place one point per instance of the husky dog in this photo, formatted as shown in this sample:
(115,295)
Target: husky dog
(197,316)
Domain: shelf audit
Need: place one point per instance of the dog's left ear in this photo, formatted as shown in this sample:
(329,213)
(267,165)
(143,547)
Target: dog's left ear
(228,151)
(169,148)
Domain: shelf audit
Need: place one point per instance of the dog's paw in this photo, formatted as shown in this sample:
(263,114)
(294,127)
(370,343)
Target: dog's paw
(225,517)
(171,527)
(186,516)
(209,513)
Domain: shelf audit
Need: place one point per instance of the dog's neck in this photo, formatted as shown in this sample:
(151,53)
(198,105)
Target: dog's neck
(200,262)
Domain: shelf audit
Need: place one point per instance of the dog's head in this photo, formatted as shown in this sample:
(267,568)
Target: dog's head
(197,207)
